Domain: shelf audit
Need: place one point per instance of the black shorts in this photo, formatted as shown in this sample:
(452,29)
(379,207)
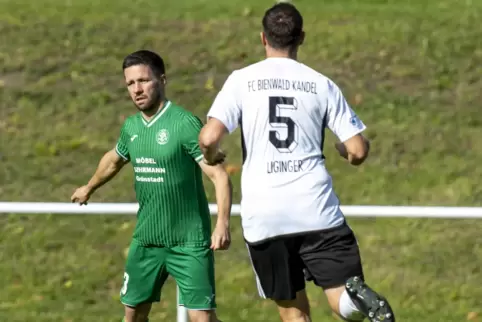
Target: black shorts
(327,257)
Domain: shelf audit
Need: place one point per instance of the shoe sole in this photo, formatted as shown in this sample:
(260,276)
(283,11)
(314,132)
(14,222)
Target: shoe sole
(376,306)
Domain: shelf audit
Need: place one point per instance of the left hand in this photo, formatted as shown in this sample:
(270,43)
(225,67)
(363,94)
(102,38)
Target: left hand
(221,237)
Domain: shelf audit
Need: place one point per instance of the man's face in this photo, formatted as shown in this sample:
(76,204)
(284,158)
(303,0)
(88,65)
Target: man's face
(146,90)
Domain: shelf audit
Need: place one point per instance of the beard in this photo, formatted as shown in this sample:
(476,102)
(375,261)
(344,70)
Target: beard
(150,104)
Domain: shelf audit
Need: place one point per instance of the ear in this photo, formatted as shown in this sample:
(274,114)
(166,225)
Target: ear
(302,38)
(163,79)
(263,38)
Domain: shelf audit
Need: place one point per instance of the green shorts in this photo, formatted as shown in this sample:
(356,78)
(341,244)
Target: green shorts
(147,269)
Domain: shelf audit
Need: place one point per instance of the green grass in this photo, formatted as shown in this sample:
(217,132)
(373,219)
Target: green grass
(411,69)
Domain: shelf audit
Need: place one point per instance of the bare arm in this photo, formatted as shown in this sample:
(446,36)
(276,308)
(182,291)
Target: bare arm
(224,190)
(221,238)
(110,164)
(355,149)
(210,139)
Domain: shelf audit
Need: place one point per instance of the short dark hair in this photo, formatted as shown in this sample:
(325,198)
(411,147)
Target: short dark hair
(145,57)
(283,26)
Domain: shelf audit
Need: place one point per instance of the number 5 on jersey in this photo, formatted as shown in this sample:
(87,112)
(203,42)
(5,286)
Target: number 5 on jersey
(276,105)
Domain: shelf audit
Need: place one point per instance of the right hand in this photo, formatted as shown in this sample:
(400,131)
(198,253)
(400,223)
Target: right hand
(341,148)
(218,158)
(81,195)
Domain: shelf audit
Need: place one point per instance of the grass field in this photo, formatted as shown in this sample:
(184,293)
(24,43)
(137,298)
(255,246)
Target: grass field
(411,69)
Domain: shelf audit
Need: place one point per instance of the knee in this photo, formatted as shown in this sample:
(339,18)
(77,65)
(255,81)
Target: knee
(292,311)
(294,316)
(142,316)
(203,316)
(139,313)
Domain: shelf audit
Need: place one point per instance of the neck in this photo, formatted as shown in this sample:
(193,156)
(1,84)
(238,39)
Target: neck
(277,53)
(148,114)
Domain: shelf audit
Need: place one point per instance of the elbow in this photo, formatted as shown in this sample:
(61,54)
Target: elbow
(359,156)
(358,159)
(207,139)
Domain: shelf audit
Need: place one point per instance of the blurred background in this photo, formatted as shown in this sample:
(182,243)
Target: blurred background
(410,69)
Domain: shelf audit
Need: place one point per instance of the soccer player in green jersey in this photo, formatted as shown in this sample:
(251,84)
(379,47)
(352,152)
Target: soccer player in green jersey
(173,230)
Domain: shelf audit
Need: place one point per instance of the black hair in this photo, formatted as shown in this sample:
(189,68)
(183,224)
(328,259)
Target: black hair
(283,26)
(145,57)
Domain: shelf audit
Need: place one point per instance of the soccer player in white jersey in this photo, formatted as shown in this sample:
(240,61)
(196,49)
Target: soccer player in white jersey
(291,217)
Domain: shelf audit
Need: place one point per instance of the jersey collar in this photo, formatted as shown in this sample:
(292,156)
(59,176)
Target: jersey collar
(157,115)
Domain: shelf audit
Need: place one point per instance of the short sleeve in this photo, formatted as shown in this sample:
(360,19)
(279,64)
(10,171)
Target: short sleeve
(191,128)
(342,120)
(121,146)
(226,106)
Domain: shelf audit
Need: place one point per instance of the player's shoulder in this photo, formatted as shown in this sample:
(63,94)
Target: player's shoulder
(184,115)
(325,84)
(299,68)
(321,78)
(130,121)
(132,118)
(175,108)
(180,110)
(246,71)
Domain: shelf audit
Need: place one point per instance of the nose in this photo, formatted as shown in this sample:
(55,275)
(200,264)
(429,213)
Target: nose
(138,88)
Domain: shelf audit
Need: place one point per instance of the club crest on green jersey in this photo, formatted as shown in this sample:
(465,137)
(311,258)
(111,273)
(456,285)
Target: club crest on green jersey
(162,137)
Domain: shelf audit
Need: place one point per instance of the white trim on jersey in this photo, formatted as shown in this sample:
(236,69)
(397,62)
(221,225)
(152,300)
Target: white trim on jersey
(156,117)
(119,153)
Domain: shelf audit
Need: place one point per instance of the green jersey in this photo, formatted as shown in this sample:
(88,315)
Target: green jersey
(164,152)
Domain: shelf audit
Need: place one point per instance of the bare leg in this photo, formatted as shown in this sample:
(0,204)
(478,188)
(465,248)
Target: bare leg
(297,310)
(203,316)
(139,313)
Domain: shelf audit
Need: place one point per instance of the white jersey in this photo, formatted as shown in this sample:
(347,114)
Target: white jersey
(283,108)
